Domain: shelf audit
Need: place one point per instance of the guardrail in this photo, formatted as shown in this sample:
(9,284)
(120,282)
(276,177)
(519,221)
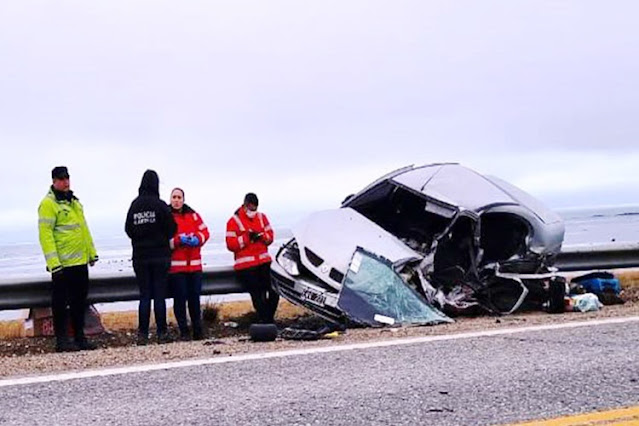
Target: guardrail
(37,293)
(221,280)
(600,256)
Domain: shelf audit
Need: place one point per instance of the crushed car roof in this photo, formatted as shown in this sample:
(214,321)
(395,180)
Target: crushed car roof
(464,188)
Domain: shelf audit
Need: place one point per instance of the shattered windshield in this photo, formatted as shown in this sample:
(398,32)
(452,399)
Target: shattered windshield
(374,294)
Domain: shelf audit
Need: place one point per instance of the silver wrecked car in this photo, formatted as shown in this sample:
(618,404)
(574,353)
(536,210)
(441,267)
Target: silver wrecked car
(419,244)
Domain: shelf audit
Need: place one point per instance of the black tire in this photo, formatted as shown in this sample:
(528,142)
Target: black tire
(263,332)
(556,293)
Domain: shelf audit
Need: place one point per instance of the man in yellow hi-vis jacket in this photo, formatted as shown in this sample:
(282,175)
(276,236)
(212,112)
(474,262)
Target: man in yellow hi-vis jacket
(68,249)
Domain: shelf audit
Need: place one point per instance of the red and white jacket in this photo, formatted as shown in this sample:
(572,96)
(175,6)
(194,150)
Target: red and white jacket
(248,254)
(185,258)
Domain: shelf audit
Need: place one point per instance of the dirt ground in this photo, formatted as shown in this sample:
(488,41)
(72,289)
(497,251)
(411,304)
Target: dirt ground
(227,334)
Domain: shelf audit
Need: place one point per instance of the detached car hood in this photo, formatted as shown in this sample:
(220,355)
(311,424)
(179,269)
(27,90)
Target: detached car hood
(328,239)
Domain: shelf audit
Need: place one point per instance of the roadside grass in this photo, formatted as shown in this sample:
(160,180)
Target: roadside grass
(240,312)
(629,279)
(10,329)
(629,284)
(221,318)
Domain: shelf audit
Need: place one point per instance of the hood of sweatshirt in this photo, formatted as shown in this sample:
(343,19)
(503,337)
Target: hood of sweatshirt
(150,184)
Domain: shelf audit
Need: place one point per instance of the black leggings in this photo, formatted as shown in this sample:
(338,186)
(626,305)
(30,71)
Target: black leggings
(70,287)
(257,281)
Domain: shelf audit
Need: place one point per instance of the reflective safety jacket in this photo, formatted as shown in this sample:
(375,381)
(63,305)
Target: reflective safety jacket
(64,235)
(186,258)
(248,253)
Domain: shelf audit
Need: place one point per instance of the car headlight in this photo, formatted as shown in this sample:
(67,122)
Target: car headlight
(289,265)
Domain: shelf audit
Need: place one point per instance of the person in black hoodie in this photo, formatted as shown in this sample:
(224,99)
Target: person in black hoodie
(150,225)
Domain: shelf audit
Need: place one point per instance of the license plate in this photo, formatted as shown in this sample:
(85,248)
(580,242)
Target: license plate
(314,296)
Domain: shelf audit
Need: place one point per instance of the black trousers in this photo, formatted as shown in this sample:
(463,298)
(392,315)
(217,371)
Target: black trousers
(70,288)
(152,277)
(187,287)
(257,281)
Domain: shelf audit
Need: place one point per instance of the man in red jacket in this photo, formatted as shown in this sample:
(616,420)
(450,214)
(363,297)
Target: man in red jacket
(248,235)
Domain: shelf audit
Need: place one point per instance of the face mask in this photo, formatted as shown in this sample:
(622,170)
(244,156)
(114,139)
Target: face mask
(251,213)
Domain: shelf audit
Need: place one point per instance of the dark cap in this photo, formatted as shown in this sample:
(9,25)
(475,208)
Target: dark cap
(250,198)
(59,172)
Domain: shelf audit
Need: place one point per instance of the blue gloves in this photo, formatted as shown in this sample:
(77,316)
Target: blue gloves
(189,240)
(193,241)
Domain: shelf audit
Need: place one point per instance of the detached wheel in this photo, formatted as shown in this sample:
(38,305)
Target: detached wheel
(263,332)
(556,293)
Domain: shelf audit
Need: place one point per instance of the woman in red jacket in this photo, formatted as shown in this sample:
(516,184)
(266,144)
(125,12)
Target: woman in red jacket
(186,264)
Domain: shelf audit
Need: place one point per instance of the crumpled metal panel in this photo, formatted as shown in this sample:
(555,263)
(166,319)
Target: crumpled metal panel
(455,185)
(334,235)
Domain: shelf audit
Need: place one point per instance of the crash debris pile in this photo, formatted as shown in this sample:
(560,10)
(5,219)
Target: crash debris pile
(592,291)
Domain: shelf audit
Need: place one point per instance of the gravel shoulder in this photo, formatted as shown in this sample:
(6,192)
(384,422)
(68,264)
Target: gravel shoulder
(35,356)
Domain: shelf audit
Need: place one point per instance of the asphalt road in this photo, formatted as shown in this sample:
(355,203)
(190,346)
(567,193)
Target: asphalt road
(483,380)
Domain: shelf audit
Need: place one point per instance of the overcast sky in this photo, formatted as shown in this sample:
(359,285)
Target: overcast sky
(306,102)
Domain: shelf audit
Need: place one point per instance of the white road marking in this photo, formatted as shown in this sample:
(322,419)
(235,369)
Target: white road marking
(295,352)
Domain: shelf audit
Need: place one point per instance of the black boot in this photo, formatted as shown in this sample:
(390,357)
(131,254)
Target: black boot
(184,335)
(164,337)
(143,339)
(197,334)
(84,345)
(65,345)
